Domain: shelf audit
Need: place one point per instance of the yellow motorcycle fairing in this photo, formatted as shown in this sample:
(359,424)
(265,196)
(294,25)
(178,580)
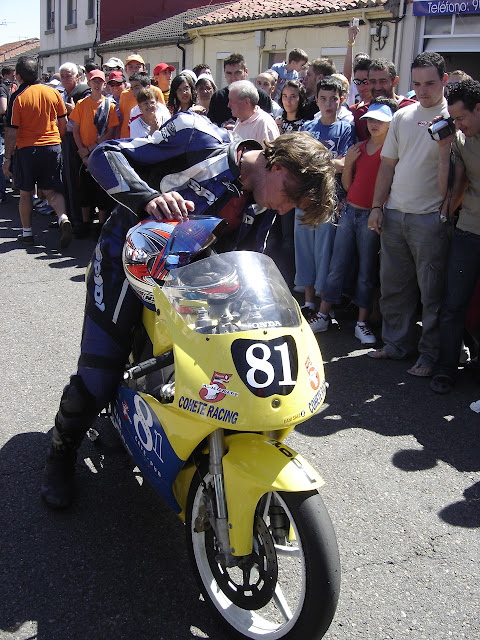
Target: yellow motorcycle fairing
(253,466)
(198,356)
(254,463)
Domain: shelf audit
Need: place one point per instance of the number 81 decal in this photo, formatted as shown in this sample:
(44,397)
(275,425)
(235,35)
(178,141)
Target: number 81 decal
(267,367)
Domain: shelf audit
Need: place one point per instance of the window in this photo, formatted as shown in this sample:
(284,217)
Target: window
(275,57)
(50,15)
(71,11)
(90,10)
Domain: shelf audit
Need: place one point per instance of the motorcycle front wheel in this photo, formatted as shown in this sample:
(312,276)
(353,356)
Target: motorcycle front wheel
(288,587)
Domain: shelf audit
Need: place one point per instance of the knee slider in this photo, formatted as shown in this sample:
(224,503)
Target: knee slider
(77,399)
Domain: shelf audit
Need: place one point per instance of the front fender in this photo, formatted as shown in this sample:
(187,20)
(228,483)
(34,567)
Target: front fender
(254,465)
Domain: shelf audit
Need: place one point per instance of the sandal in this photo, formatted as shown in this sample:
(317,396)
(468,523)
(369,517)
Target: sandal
(441,384)
(421,370)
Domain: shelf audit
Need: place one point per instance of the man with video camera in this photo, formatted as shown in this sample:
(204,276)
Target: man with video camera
(464,262)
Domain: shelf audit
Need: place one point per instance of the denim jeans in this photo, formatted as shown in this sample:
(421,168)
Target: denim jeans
(462,274)
(313,250)
(353,235)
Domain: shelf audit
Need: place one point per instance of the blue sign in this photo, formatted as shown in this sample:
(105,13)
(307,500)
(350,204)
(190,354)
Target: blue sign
(445,7)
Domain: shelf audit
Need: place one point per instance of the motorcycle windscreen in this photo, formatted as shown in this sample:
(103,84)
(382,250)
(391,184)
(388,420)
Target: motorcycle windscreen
(232,292)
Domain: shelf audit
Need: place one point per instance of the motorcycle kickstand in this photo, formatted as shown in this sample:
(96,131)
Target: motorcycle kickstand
(216,443)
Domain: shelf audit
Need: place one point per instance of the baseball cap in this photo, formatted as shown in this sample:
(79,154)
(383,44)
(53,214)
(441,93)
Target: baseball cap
(54,83)
(134,57)
(189,72)
(111,63)
(160,68)
(380,112)
(96,73)
(116,76)
(207,76)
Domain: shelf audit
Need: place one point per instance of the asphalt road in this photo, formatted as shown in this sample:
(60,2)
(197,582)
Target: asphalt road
(401,464)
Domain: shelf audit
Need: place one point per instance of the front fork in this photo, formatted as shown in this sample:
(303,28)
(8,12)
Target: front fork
(216,443)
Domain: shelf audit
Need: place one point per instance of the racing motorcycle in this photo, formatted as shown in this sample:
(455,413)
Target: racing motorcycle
(222,369)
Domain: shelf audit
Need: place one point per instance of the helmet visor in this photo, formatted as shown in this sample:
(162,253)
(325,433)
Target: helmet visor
(190,238)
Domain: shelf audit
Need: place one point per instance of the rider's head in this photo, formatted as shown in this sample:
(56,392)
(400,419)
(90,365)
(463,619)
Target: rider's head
(310,182)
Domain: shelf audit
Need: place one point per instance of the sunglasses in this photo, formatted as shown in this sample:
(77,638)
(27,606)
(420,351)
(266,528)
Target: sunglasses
(359,82)
(451,85)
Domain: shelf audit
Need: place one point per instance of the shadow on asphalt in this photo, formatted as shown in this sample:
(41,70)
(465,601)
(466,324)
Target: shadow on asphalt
(47,247)
(101,569)
(379,396)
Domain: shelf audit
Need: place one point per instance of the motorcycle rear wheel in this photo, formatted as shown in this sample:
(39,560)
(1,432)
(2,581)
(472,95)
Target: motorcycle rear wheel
(285,590)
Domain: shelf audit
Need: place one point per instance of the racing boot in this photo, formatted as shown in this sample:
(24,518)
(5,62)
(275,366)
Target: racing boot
(72,421)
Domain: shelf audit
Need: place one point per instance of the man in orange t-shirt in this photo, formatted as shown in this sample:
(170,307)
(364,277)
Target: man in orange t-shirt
(94,121)
(133,64)
(36,122)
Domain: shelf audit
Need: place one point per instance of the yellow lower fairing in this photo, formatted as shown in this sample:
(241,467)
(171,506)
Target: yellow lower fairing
(255,465)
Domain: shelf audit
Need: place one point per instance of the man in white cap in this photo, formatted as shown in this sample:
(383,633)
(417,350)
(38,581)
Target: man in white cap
(113,64)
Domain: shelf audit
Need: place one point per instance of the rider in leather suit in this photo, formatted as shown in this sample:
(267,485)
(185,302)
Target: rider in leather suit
(189,165)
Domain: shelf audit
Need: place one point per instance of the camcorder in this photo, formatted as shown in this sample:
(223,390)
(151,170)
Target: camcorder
(441,129)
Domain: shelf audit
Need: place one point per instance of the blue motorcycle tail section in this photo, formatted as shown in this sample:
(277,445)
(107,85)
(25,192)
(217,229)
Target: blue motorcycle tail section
(147,443)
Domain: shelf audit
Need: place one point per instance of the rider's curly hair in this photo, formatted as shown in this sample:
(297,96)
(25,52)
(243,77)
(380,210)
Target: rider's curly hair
(313,177)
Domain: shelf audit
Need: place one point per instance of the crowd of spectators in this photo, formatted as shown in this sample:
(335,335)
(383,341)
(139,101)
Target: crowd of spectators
(389,237)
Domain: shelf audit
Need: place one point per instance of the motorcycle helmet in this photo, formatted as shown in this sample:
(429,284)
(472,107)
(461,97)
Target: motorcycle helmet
(152,248)
(215,278)
(212,284)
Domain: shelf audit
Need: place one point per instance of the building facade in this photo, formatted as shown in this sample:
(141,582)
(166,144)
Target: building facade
(72,30)
(264,31)
(449,28)
(69,30)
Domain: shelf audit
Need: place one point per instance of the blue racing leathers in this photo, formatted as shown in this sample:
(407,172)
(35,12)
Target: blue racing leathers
(188,154)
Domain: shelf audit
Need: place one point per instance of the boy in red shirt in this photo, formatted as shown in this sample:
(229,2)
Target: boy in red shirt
(358,179)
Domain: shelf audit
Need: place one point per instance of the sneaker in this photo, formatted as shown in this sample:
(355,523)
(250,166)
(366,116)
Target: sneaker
(28,241)
(464,354)
(65,234)
(363,333)
(317,323)
(307,312)
(333,321)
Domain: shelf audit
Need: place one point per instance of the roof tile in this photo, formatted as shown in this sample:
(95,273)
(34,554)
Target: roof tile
(245,10)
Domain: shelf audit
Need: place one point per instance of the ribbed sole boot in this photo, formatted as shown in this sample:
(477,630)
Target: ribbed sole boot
(57,489)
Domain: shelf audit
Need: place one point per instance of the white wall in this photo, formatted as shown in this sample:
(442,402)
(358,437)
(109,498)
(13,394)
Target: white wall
(79,38)
(313,40)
